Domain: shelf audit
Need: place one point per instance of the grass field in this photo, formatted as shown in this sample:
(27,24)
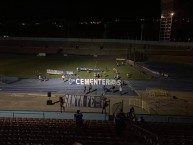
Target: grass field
(27,66)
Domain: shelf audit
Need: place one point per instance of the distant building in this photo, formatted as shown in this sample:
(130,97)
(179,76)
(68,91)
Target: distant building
(176,23)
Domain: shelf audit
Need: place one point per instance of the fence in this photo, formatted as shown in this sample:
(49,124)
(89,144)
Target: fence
(93,116)
(116,107)
(156,92)
(140,103)
(53,114)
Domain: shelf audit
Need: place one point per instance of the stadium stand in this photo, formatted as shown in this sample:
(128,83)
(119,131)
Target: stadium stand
(165,133)
(36,131)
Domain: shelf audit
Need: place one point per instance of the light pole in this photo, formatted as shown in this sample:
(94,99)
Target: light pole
(171,16)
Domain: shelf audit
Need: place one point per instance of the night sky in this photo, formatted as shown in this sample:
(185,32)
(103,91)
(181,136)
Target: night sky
(115,19)
(55,9)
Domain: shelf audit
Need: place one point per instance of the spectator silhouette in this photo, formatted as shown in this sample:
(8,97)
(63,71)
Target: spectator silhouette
(120,122)
(131,114)
(78,119)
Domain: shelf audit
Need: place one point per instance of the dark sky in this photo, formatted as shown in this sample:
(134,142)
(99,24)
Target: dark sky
(184,9)
(46,9)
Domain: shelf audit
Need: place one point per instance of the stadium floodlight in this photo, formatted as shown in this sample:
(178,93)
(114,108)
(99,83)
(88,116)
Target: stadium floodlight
(171,14)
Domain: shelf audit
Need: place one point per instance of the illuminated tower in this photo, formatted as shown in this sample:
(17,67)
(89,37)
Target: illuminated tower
(176,23)
(167,12)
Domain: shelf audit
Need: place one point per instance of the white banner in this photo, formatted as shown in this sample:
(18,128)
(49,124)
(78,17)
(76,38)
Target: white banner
(73,81)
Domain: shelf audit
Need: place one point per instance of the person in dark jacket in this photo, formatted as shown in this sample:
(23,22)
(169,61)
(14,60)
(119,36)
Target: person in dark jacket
(78,119)
(120,122)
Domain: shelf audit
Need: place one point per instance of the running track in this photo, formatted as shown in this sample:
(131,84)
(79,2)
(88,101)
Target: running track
(13,84)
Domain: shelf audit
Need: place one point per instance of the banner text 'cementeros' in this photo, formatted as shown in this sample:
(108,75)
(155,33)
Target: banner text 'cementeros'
(94,82)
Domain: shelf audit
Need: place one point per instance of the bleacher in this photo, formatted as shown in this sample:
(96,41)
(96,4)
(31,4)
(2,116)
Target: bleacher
(50,131)
(162,133)
(35,131)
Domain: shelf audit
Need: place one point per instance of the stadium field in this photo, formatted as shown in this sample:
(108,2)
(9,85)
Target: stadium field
(29,66)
